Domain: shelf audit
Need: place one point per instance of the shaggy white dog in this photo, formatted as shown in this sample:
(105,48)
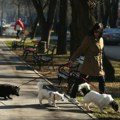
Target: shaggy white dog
(101,100)
(47,93)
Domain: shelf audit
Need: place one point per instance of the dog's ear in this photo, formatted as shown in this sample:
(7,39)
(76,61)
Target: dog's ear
(114,105)
(60,91)
(17,87)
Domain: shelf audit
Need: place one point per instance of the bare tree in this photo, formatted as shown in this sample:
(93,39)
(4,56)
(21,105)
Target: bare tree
(62,28)
(82,20)
(17,3)
(2,3)
(110,12)
(46,23)
(113,13)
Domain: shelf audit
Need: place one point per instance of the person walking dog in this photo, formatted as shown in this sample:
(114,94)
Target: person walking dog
(92,49)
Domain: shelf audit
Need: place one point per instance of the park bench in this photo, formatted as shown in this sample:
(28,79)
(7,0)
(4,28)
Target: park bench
(37,47)
(21,42)
(65,73)
(30,49)
(45,59)
(18,44)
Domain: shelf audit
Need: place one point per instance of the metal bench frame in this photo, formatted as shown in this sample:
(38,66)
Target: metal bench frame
(45,59)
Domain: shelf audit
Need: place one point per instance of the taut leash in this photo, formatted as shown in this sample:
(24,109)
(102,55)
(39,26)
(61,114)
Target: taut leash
(90,84)
(28,82)
(43,77)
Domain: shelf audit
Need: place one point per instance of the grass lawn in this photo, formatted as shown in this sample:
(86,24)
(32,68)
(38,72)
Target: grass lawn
(112,88)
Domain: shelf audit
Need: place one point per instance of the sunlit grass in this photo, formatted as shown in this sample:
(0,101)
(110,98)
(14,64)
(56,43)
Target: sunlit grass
(28,42)
(110,115)
(112,88)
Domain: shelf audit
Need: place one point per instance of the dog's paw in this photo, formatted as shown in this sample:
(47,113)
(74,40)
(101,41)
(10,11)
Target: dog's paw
(10,98)
(40,104)
(5,99)
(50,104)
(58,108)
(40,101)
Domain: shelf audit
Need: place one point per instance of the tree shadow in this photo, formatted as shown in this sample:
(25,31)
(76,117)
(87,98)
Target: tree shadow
(63,108)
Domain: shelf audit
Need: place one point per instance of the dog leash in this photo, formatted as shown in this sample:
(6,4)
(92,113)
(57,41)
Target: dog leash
(28,82)
(20,86)
(90,84)
(32,80)
(24,84)
(68,65)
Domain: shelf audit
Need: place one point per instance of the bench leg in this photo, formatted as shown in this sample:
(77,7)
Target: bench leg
(25,54)
(60,80)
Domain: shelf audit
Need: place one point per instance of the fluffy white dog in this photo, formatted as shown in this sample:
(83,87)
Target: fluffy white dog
(101,100)
(47,93)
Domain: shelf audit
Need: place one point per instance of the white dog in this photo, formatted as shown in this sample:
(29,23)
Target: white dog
(101,100)
(47,93)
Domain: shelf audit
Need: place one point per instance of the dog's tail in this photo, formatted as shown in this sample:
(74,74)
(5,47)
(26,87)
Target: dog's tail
(84,85)
(40,85)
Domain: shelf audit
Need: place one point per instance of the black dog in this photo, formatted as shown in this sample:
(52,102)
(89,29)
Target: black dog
(6,90)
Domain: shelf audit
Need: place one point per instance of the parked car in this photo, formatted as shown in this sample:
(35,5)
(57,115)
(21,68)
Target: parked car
(111,36)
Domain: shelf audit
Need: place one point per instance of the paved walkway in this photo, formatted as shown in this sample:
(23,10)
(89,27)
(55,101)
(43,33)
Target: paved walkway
(26,107)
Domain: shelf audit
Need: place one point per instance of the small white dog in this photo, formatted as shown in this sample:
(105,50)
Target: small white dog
(47,93)
(101,100)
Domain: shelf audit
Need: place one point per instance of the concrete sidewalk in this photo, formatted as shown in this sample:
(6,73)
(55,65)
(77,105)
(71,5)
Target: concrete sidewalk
(26,107)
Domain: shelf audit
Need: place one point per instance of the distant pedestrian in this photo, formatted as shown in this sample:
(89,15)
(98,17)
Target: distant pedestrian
(19,26)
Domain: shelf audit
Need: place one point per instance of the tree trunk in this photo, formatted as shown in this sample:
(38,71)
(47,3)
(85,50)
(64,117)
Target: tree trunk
(50,19)
(62,28)
(38,6)
(99,10)
(106,12)
(46,25)
(82,20)
(114,13)
(34,27)
(110,13)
